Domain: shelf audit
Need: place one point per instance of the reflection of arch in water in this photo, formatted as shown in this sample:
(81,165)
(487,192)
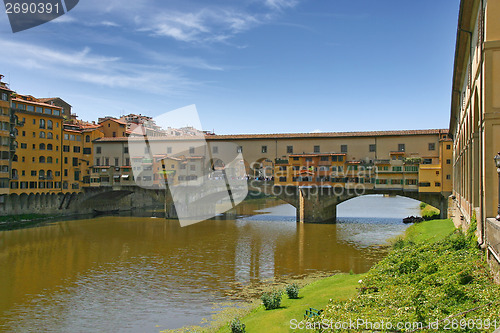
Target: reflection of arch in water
(263,167)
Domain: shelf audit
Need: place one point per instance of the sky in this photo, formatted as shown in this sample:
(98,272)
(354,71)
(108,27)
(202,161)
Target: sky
(249,66)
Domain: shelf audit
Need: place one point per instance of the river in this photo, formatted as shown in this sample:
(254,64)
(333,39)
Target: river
(143,274)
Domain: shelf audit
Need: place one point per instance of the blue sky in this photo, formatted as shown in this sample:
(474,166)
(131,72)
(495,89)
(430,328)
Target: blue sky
(250,66)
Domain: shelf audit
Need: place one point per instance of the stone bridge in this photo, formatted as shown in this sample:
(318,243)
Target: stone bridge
(313,204)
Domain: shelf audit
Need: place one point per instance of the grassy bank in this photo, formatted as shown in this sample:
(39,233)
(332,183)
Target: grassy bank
(11,222)
(432,277)
(315,295)
(433,272)
(429,212)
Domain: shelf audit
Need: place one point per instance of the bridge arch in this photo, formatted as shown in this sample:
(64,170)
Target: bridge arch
(263,167)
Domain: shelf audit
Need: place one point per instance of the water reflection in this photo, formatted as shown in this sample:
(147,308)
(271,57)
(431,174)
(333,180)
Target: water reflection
(133,273)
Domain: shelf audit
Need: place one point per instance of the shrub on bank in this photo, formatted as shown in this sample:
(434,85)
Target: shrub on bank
(292,290)
(271,300)
(425,282)
(237,326)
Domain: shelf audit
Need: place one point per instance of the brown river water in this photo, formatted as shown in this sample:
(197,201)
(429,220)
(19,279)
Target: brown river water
(144,274)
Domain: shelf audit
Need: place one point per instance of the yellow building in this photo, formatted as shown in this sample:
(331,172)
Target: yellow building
(5,138)
(475,120)
(113,128)
(36,165)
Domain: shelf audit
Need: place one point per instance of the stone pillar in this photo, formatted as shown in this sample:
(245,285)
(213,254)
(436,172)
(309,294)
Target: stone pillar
(443,207)
(316,206)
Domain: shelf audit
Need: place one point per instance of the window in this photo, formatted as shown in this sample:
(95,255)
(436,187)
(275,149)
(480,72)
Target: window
(343,149)
(97,150)
(239,149)
(192,167)
(24,133)
(125,150)
(76,149)
(107,161)
(65,172)
(127,161)
(427,161)
(66,136)
(114,134)
(47,111)
(65,160)
(397,168)
(98,161)
(437,184)
(448,161)
(116,161)
(341,158)
(215,150)
(424,184)
(448,147)
(77,175)
(50,135)
(41,159)
(66,149)
(42,123)
(49,159)
(87,138)
(191,150)
(401,147)
(372,148)
(87,151)
(289,149)
(432,146)
(264,149)
(24,146)
(316,149)
(411,182)
(49,146)
(42,135)
(39,109)
(49,124)
(33,173)
(42,146)
(324,158)
(75,161)
(169,150)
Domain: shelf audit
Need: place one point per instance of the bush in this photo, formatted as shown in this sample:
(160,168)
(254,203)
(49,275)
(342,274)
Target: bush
(271,300)
(237,326)
(292,290)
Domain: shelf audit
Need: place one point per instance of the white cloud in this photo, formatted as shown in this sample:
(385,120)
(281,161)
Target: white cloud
(84,66)
(281,4)
(317,131)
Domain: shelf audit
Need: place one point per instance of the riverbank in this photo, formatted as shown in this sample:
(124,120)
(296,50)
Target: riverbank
(432,273)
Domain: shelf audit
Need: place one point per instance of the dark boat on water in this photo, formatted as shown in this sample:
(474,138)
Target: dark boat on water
(412,219)
(106,212)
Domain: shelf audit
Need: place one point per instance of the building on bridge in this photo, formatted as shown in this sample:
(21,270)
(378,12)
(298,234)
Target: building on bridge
(475,121)
(397,171)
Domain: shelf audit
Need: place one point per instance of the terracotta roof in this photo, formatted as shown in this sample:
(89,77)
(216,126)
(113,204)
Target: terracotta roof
(115,120)
(5,88)
(289,135)
(37,103)
(326,134)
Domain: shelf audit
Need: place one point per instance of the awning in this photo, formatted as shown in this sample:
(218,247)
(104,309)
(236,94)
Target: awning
(125,176)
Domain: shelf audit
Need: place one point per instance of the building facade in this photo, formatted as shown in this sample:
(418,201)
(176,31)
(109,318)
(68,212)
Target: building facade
(475,119)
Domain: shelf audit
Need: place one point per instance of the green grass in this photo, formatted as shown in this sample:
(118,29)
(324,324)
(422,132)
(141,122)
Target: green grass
(429,212)
(433,231)
(435,273)
(315,295)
